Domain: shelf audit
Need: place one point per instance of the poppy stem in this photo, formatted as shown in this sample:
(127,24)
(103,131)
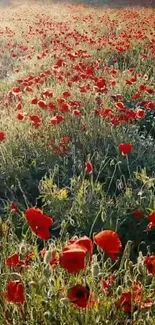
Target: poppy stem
(127,160)
(93,224)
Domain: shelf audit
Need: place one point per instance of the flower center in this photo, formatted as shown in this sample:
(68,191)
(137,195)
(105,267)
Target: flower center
(79,294)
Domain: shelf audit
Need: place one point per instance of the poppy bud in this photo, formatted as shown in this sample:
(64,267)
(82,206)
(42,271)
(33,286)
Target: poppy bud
(47,257)
(23,248)
(94,258)
(95,270)
(32,284)
(141,269)
(130,265)
(89,167)
(126,264)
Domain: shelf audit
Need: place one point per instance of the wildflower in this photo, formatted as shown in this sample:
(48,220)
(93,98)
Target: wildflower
(47,93)
(120,105)
(57,119)
(106,285)
(136,96)
(125,148)
(84,242)
(39,223)
(13,207)
(89,167)
(20,116)
(14,292)
(124,302)
(50,257)
(140,113)
(109,242)
(79,295)
(66,94)
(13,261)
(35,119)
(18,107)
(34,101)
(151,218)
(130,299)
(2,136)
(42,104)
(73,259)
(149,262)
(138,214)
(133,299)
(16,90)
(150,105)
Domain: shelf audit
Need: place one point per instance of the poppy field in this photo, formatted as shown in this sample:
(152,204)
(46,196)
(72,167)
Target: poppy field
(77,163)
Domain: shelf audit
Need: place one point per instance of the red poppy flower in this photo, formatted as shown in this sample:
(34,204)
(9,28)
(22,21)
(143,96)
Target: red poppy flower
(109,241)
(47,93)
(136,96)
(42,104)
(13,207)
(39,223)
(149,262)
(125,148)
(14,260)
(130,298)
(66,94)
(16,90)
(2,136)
(57,119)
(120,105)
(83,242)
(14,292)
(64,107)
(151,218)
(20,116)
(28,89)
(140,113)
(138,214)
(150,105)
(79,295)
(36,120)
(89,167)
(142,87)
(106,285)
(18,107)
(76,112)
(73,259)
(28,259)
(54,259)
(34,101)
(124,302)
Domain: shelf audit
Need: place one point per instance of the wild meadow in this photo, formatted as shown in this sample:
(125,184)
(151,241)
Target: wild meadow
(77,163)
